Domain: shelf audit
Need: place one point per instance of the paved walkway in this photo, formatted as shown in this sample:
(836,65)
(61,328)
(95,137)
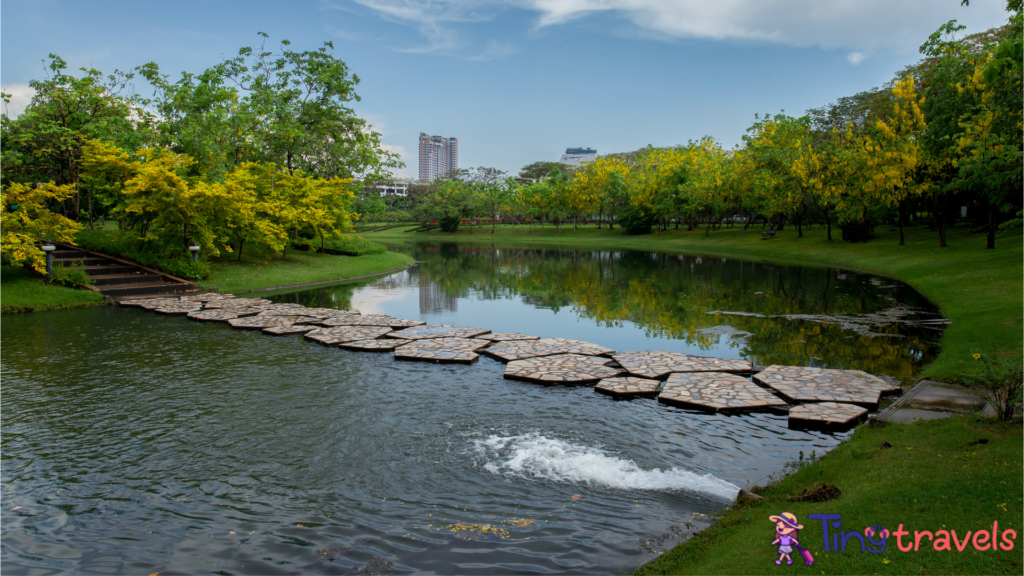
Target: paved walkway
(930,400)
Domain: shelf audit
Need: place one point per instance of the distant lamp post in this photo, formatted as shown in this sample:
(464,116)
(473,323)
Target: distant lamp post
(195,253)
(48,247)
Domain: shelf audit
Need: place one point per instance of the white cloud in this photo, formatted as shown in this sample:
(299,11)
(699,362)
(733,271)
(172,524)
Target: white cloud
(21,95)
(858,25)
(410,162)
(855,58)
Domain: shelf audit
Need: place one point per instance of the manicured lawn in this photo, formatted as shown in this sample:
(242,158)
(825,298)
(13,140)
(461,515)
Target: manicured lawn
(23,291)
(297,268)
(931,479)
(979,290)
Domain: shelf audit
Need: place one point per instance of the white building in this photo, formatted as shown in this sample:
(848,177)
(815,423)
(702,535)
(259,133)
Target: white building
(438,156)
(577,156)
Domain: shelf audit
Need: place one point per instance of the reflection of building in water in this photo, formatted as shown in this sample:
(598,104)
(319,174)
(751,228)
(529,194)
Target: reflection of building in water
(433,299)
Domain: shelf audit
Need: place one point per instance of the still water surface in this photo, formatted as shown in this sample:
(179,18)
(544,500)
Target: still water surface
(139,443)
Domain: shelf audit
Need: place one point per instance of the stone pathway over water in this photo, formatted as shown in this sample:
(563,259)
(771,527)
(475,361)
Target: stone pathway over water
(813,397)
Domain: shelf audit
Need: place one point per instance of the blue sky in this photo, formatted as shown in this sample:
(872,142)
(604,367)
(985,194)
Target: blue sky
(518,81)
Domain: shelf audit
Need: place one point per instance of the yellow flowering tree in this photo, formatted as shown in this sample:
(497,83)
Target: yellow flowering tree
(25,221)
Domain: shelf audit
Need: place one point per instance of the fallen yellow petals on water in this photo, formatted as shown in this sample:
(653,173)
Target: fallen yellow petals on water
(523,523)
(575,496)
(232,532)
(300,525)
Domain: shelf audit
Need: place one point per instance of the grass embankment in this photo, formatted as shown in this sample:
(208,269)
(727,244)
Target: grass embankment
(979,290)
(931,478)
(23,291)
(297,268)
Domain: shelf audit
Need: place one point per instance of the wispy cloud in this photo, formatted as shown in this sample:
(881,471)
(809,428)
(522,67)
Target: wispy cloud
(855,58)
(859,25)
(21,96)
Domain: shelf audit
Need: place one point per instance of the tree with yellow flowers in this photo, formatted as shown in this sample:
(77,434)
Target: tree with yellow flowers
(25,221)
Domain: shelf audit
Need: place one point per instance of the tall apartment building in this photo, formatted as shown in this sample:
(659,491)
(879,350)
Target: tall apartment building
(438,155)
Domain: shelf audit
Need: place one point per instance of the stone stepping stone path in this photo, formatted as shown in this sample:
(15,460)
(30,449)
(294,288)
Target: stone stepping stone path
(825,415)
(288,329)
(518,350)
(659,364)
(438,331)
(562,369)
(628,387)
(506,336)
(371,320)
(461,350)
(825,398)
(382,345)
(338,334)
(800,384)
(719,392)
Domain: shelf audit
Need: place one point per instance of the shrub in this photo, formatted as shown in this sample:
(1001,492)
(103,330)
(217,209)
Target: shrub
(1002,380)
(635,221)
(72,276)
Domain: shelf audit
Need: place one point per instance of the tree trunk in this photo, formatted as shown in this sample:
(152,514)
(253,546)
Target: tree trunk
(799,227)
(241,242)
(940,221)
(902,217)
(991,242)
(828,221)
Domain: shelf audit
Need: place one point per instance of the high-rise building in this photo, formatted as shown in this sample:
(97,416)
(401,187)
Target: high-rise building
(576,156)
(438,156)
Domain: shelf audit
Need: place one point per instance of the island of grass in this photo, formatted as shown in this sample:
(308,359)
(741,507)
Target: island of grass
(978,290)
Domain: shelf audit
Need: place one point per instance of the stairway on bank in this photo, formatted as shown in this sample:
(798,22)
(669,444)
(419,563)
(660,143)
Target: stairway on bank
(117,278)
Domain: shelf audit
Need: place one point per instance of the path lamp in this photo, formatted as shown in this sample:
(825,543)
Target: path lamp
(48,247)
(195,253)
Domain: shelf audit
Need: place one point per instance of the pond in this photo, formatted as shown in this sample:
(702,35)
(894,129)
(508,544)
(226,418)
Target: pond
(140,443)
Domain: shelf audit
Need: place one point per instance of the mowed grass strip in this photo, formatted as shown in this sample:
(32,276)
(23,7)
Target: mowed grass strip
(24,291)
(931,478)
(297,268)
(979,290)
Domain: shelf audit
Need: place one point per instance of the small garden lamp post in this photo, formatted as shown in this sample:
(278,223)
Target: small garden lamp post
(48,247)
(195,253)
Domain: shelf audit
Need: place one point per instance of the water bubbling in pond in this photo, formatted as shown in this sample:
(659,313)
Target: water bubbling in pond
(537,456)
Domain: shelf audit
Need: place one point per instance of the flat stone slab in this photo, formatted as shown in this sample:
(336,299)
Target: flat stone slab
(658,364)
(288,329)
(206,297)
(222,315)
(441,350)
(719,392)
(154,303)
(179,309)
(332,312)
(801,384)
(338,334)
(382,345)
(628,387)
(237,303)
(911,414)
(826,414)
(562,369)
(520,349)
(428,331)
(261,322)
(371,320)
(506,336)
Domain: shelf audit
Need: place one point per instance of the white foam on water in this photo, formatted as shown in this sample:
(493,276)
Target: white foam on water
(536,456)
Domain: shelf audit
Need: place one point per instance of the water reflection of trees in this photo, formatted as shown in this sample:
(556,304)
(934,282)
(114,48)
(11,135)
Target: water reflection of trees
(671,296)
(674,296)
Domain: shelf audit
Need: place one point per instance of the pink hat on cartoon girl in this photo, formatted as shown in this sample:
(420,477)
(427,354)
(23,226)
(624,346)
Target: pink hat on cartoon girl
(787,519)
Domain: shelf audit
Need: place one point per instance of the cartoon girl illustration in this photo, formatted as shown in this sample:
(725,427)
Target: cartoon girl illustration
(786,527)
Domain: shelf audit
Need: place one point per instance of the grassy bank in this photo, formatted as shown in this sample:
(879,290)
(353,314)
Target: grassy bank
(23,291)
(931,478)
(979,290)
(297,268)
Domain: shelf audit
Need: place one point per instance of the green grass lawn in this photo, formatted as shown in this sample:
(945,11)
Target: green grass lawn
(929,479)
(979,290)
(297,268)
(24,291)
